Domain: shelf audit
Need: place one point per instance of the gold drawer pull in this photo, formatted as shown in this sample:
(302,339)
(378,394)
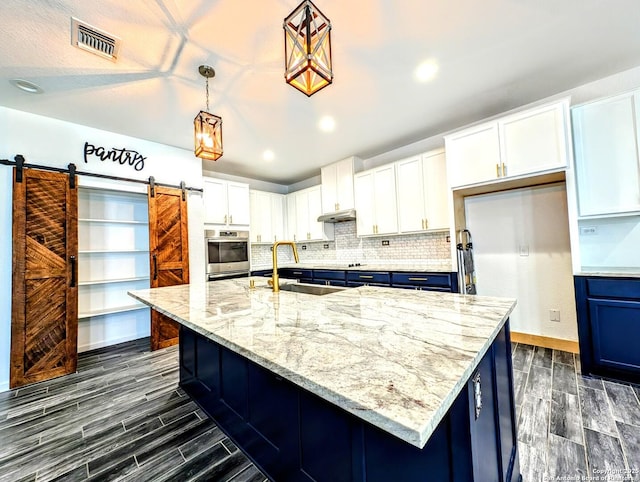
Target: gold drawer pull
(362,276)
(418,279)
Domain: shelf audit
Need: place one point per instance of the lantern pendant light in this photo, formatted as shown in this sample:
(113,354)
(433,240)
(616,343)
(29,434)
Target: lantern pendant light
(207,127)
(307,48)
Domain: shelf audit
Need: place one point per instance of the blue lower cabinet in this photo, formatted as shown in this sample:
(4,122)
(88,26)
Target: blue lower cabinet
(298,274)
(609,326)
(293,435)
(330,277)
(425,281)
(373,278)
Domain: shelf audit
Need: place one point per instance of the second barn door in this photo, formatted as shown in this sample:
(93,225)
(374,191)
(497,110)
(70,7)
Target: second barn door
(169,254)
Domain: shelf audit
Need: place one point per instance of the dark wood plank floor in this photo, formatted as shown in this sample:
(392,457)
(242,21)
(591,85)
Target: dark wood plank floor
(571,426)
(122,416)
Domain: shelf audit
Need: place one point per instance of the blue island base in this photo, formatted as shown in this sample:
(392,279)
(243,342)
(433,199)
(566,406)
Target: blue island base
(293,435)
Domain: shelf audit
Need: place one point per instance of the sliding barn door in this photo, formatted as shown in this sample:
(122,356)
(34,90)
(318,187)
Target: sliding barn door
(44,312)
(169,250)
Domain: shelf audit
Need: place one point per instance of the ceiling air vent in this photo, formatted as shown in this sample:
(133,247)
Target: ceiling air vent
(96,41)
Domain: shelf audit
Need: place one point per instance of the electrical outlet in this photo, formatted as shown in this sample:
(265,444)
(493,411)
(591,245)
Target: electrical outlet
(448,239)
(385,242)
(588,230)
(325,246)
(554,315)
(304,247)
(524,250)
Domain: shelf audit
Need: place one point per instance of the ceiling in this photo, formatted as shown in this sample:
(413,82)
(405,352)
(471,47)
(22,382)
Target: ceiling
(492,55)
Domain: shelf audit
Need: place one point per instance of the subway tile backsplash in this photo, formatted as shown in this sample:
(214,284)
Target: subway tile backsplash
(348,248)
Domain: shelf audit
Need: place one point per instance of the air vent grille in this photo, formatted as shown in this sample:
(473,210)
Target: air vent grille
(96,41)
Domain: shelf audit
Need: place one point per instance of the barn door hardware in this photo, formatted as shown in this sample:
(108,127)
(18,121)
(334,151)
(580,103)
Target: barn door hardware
(72,176)
(152,185)
(19,167)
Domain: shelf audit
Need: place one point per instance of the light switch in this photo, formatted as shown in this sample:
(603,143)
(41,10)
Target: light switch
(524,250)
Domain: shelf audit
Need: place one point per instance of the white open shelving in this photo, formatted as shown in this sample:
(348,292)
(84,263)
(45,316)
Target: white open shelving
(113,248)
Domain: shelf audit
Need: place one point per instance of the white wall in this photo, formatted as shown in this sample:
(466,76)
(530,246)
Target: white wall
(52,142)
(522,250)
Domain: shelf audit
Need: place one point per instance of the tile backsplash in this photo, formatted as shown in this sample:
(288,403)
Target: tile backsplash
(348,248)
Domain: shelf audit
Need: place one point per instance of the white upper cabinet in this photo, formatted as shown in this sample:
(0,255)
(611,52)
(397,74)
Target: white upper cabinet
(337,185)
(215,201)
(375,201)
(534,140)
(422,193)
(226,202)
(517,145)
(606,140)
(267,217)
(307,206)
(238,196)
(473,155)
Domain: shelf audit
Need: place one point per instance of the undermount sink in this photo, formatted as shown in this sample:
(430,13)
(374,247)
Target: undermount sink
(318,290)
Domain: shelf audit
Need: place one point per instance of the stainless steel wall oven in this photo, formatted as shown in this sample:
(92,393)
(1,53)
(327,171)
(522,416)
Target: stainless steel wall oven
(226,253)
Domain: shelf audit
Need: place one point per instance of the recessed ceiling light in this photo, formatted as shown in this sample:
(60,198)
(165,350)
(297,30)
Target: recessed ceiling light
(426,71)
(327,124)
(26,86)
(268,155)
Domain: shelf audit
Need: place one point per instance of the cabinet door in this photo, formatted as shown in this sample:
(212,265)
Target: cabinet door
(386,208)
(484,423)
(257,200)
(238,204)
(473,155)
(411,195)
(615,328)
(215,201)
(344,184)
(44,310)
(329,180)
(607,156)
(436,191)
(302,231)
(292,217)
(534,140)
(363,191)
(316,229)
(277,218)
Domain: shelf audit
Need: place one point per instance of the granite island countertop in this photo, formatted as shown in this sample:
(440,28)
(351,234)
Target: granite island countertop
(394,358)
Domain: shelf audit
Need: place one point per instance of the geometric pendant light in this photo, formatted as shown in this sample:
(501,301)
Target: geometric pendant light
(307,49)
(207,127)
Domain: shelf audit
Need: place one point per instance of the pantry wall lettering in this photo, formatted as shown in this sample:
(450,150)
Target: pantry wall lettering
(121,156)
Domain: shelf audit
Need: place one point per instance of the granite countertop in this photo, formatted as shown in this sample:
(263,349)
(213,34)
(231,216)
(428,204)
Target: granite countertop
(394,358)
(415,267)
(609,272)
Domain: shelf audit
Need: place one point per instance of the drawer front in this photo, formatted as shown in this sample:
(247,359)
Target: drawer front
(614,288)
(356,284)
(328,274)
(262,272)
(422,279)
(369,277)
(296,273)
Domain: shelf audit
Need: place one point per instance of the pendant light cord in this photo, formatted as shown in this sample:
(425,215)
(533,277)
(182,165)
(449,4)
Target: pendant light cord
(207,89)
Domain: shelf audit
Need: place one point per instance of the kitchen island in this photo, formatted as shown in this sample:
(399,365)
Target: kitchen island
(368,383)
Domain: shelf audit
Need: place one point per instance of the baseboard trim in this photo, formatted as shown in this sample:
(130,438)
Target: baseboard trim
(546,342)
(111,341)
